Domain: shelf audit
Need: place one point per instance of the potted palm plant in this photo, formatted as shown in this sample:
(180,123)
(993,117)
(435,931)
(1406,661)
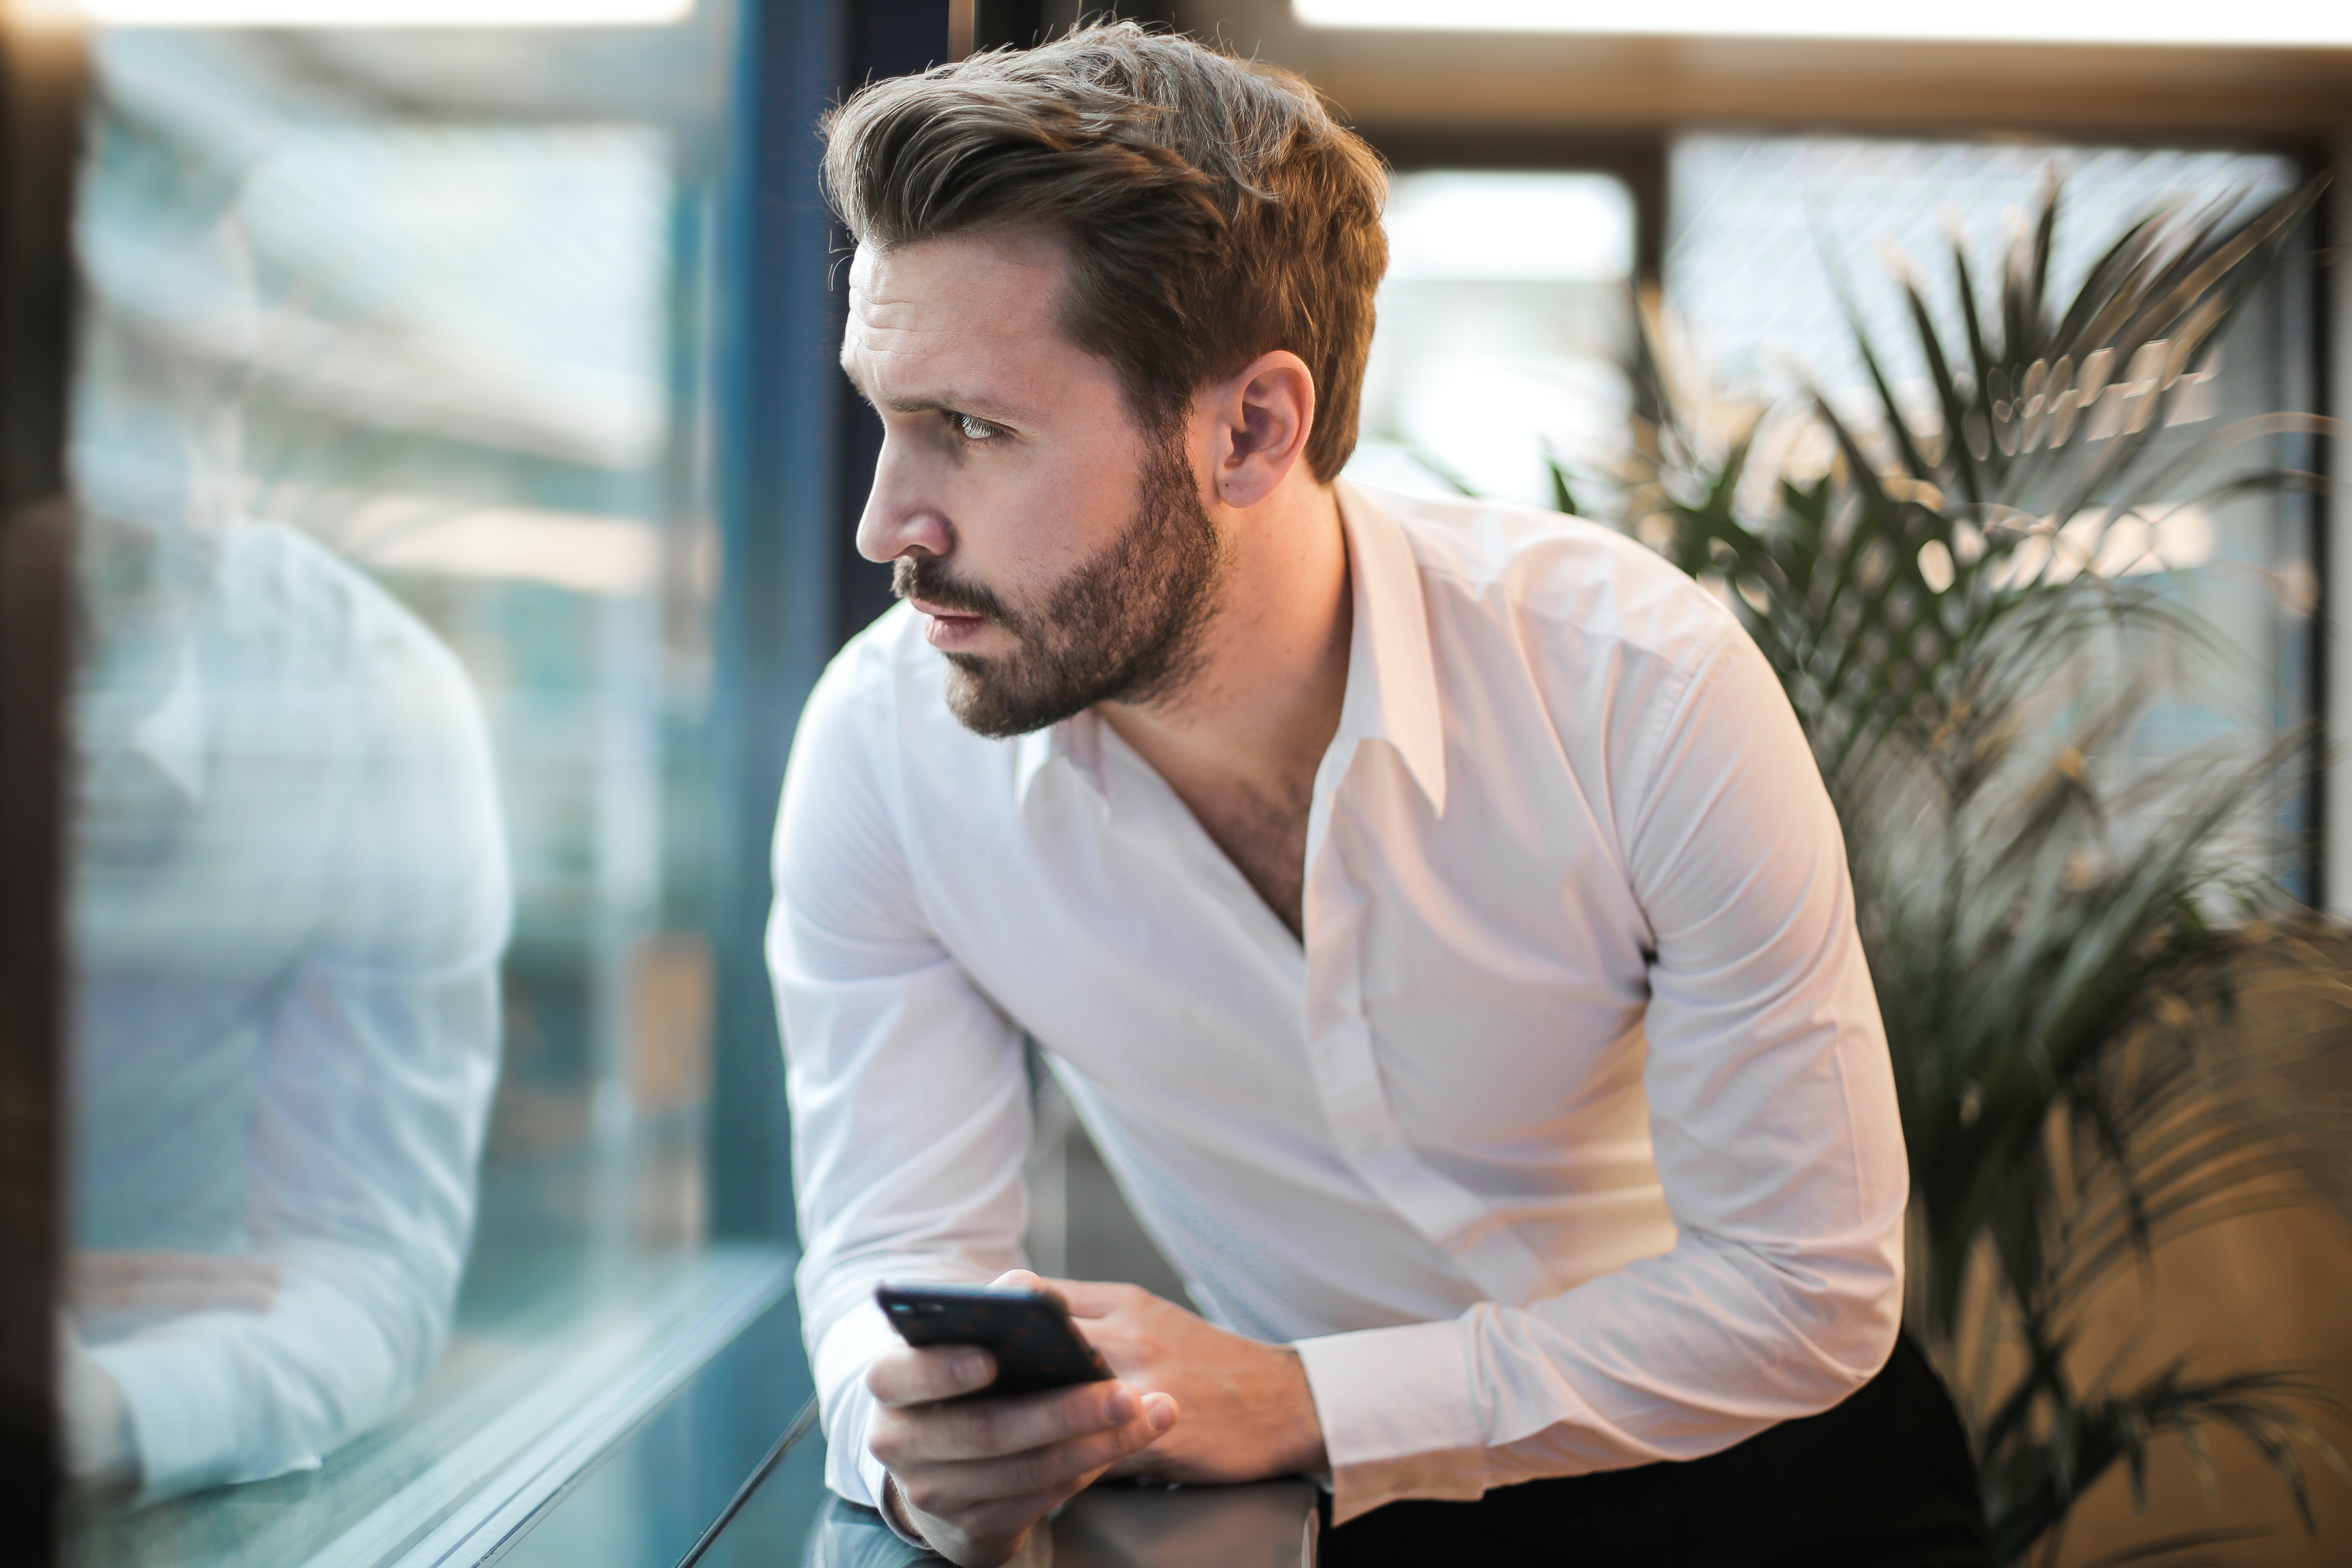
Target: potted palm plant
(2054,928)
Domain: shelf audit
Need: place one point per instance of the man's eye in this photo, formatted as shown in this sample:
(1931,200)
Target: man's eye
(972,429)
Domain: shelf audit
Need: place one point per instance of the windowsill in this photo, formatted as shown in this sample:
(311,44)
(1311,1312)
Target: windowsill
(513,1414)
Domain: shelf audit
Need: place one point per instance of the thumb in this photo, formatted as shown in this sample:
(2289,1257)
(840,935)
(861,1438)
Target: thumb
(1026,1279)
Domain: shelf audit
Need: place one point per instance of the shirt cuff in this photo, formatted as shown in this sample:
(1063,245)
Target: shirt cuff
(1398,1415)
(851,1468)
(184,1411)
(877,1479)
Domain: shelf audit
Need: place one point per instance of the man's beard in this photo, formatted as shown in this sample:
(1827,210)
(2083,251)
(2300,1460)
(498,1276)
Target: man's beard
(1124,626)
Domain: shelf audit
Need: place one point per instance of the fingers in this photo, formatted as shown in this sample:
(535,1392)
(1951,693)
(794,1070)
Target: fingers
(975,1474)
(991,1428)
(1023,1279)
(1161,1410)
(910,1375)
(171,1282)
(1018,1480)
(1058,1471)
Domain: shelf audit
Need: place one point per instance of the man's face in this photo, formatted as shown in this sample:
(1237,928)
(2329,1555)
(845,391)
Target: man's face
(1060,555)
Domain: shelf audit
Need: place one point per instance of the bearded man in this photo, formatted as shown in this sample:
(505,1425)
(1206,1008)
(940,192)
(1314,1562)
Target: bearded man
(1431,909)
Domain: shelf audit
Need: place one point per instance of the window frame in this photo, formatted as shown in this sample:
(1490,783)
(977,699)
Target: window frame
(44,82)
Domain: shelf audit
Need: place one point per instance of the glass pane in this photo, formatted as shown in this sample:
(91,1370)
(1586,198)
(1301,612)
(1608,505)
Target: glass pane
(393,1048)
(1760,227)
(1500,346)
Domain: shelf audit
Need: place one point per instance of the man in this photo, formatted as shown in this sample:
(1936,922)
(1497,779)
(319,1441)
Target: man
(1431,909)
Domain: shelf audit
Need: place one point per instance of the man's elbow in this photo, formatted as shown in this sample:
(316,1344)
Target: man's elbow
(1846,1304)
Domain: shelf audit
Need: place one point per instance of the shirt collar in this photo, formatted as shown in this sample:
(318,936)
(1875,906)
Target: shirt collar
(1392,673)
(1031,752)
(1077,742)
(1391,693)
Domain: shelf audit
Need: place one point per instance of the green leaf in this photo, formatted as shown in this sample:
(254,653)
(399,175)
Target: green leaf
(1563,498)
(2048,923)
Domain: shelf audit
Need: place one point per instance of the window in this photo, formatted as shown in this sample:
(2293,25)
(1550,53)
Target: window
(1501,341)
(1757,224)
(392,851)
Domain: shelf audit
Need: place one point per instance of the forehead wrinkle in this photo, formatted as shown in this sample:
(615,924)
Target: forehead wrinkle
(961,287)
(900,338)
(935,385)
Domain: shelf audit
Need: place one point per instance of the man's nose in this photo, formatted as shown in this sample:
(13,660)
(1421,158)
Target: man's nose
(902,513)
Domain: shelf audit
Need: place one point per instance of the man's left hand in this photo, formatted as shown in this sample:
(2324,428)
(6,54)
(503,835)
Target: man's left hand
(1248,1412)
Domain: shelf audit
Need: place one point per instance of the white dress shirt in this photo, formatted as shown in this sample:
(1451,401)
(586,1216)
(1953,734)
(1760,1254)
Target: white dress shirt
(291,895)
(1566,1139)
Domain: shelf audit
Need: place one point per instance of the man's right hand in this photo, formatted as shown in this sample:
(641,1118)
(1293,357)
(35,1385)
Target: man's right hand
(971,1477)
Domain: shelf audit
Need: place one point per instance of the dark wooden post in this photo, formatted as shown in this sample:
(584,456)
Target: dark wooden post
(41,79)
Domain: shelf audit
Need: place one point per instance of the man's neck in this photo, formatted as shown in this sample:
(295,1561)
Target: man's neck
(1240,744)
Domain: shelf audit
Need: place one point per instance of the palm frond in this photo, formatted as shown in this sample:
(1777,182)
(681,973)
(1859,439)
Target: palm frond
(2051,930)
(1443,471)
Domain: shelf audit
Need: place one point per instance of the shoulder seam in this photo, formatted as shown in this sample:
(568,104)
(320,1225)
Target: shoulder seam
(1663,719)
(1686,665)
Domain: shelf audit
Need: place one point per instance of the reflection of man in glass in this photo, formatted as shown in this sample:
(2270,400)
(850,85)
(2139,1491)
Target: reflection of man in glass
(290,900)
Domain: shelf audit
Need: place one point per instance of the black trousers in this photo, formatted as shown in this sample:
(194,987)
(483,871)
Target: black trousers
(1883,1480)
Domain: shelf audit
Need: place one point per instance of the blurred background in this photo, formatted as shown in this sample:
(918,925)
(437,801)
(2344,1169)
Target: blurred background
(467,494)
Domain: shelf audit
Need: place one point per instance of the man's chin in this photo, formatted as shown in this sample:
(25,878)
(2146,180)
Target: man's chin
(985,702)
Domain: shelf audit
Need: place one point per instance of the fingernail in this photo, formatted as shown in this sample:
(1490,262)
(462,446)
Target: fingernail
(1122,1404)
(1161,1411)
(970,1367)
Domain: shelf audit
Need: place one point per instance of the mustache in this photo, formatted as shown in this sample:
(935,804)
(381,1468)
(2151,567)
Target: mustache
(926,577)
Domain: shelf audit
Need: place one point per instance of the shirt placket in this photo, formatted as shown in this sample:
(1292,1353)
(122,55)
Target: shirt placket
(1354,1094)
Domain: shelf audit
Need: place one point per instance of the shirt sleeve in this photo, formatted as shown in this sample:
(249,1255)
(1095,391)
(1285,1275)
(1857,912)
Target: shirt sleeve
(375,1067)
(1776,1139)
(924,1185)
(362,1194)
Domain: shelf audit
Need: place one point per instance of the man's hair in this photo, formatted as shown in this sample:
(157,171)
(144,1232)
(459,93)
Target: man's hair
(1216,210)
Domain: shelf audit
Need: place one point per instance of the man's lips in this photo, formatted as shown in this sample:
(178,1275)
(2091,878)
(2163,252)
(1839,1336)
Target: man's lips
(946,627)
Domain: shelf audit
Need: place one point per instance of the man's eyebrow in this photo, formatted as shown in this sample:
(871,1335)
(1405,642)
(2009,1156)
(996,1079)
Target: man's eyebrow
(950,404)
(946,402)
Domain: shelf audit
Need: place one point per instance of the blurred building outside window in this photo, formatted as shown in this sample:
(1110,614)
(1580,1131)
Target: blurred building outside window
(1505,327)
(392,1052)
(1501,335)
(1760,227)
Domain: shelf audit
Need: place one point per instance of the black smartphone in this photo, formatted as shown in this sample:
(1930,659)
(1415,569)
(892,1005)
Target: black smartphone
(1029,1332)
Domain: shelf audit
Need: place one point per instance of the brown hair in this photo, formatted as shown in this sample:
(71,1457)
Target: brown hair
(1215,209)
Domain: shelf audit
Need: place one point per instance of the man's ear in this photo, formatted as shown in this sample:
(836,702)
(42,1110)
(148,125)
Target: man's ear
(1262,416)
